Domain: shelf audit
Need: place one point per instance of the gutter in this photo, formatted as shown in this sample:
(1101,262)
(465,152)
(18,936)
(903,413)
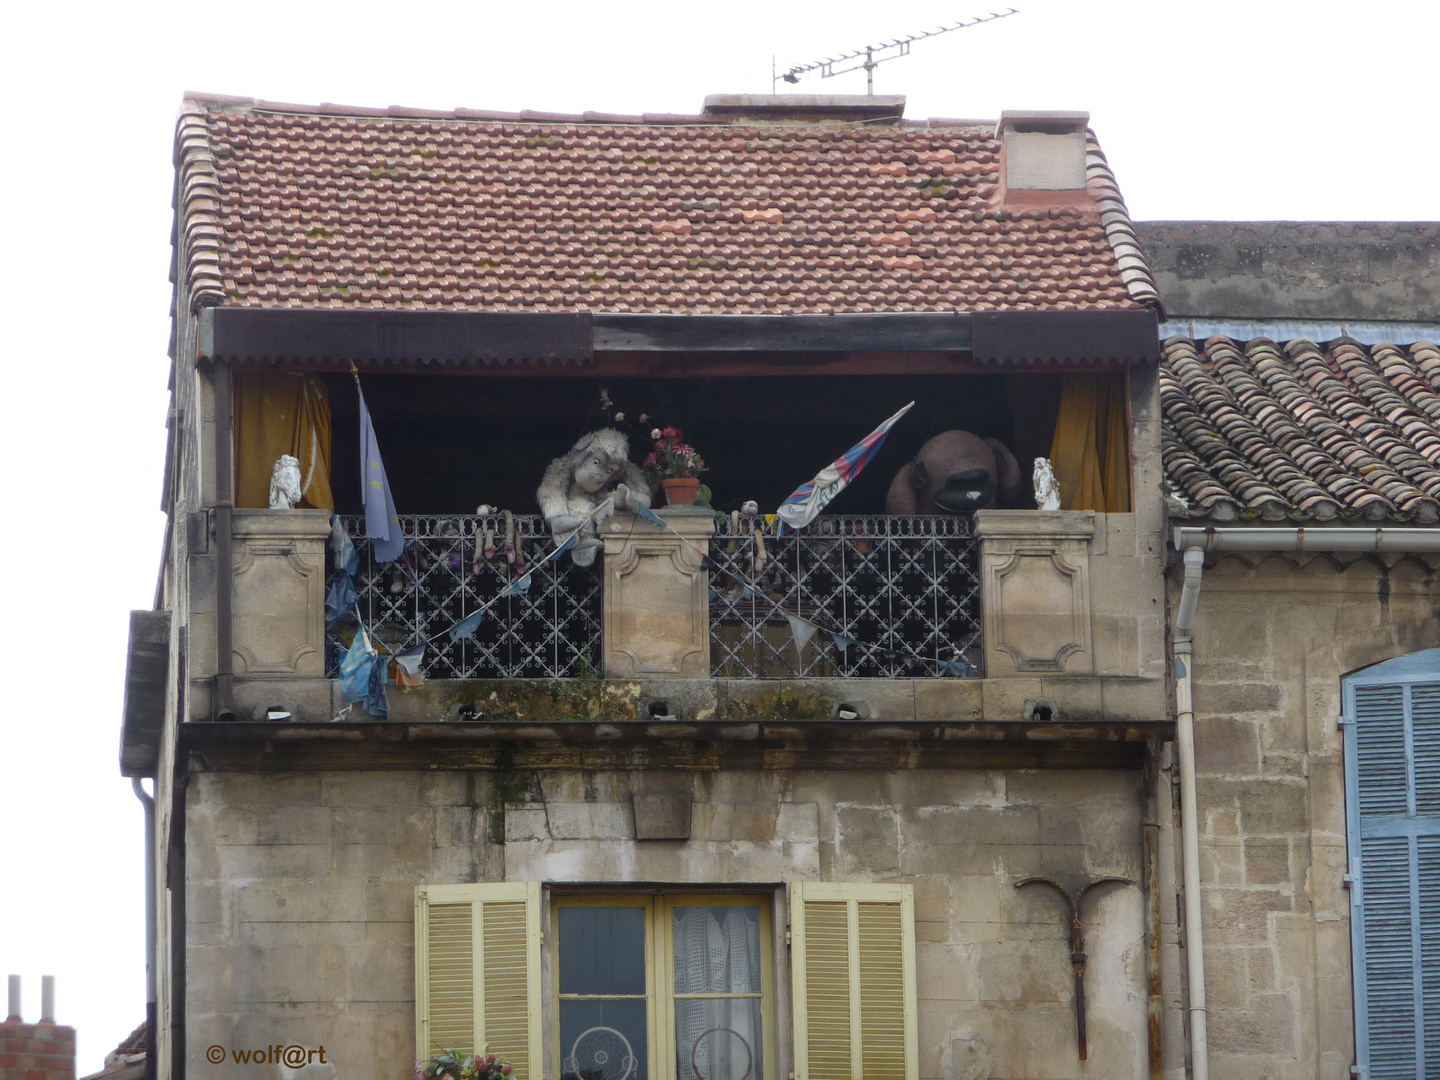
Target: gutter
(1302,538)
(1193,542)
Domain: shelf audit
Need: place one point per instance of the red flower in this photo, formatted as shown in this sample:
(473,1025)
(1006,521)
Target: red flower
(673,433)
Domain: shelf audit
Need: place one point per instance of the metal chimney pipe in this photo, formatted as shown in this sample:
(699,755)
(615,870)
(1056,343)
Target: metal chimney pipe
(47,999)
(14,998)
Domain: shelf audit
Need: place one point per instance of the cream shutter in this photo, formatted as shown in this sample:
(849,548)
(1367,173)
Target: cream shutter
(477,972)
(853,965)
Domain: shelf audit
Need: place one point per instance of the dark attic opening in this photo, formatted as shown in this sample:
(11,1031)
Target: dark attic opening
(452,443)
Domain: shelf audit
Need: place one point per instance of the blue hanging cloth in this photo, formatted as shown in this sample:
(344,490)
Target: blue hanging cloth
(346,557)
(341,599)
(355,668)
(375,703)
(382,523)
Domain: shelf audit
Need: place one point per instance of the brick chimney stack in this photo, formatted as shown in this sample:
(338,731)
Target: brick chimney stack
(43,1051)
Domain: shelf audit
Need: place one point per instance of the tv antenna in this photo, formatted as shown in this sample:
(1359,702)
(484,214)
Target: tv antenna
(874,55)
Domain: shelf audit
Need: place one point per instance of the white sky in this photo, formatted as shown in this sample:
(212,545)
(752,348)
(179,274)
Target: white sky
(1254,110)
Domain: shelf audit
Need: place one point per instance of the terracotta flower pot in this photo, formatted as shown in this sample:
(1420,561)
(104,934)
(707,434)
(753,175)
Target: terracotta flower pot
(680,490)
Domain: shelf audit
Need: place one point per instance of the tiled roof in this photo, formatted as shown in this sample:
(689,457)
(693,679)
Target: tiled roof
(1302,431)
(323,206)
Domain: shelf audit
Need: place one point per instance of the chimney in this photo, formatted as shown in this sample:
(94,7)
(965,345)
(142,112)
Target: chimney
(781,108)
(43,1051)
(1042,159)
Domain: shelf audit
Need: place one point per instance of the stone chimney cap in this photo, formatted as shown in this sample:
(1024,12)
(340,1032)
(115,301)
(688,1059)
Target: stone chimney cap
(1052,121)
(807,106)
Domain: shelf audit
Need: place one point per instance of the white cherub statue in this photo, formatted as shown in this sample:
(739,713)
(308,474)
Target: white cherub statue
(285,490)
(1047,488)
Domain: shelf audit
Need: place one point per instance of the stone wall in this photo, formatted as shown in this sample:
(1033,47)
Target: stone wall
(301,891)
(1273,639)
(1347,270)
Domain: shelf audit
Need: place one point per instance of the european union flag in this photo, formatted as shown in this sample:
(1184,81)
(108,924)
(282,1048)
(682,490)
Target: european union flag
(382,523)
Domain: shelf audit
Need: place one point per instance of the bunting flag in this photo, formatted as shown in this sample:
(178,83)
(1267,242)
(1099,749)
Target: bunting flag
(408,665)
(842,641)
(644,513)
(382,523)
(569,543)
(805,504)
(466,627)
(803,630)
(515,588)
(961,669)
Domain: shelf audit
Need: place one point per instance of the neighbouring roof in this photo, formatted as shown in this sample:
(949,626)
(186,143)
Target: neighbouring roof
(357,208)
(1299,430)
(1330,271)
(126,1061)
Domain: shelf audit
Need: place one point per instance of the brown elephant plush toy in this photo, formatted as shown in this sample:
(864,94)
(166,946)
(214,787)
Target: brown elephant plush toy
(955,473)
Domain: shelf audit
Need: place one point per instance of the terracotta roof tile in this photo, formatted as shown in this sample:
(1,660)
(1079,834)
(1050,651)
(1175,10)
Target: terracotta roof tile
(285,205)
(1304,431)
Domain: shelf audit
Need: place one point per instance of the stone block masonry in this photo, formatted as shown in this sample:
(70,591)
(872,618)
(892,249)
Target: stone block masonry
(301,888)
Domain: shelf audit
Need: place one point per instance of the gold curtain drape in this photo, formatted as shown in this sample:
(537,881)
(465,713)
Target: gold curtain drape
(1091,449)
(281,412)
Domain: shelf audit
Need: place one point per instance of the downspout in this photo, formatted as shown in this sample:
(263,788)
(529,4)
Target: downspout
(1189,814)
(150,996)
(224,564)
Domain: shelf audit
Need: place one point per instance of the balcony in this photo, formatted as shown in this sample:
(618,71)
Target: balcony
(1008,613)
(888,597)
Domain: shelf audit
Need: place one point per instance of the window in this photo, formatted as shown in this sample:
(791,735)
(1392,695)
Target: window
(669,986)
(685,982)
(1392,775)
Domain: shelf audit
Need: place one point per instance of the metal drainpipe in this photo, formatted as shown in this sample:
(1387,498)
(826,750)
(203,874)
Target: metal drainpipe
(1189,814)
(224,567)
(150,996)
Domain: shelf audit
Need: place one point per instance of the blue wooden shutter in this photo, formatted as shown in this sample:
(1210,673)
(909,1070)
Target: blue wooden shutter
(1392,764)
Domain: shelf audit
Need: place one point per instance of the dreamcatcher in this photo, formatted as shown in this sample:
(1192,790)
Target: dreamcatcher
(600,1053)
(721,1045)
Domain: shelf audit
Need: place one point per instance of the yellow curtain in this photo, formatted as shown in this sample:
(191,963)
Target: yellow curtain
(281,412)
(1091,449)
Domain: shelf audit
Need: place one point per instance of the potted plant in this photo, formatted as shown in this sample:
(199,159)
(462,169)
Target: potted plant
(677,466)
(448,1065)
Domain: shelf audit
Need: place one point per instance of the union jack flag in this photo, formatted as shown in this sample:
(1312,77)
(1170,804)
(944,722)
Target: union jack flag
(805,504)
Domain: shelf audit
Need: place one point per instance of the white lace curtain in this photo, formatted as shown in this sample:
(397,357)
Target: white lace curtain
(717,951)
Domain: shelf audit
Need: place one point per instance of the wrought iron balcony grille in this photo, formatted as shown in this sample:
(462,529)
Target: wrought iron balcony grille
(551,631)
(889,597)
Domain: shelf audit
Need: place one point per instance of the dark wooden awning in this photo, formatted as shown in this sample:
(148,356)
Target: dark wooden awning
(147,675)
(334,338)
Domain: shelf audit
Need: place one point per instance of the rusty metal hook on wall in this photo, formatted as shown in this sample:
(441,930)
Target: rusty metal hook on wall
(1077,940)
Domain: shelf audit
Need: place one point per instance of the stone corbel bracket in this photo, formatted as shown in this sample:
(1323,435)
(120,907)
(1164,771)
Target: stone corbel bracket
(1035,589)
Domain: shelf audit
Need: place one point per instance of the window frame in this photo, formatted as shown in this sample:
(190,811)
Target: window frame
(1404,673)
(659,907)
